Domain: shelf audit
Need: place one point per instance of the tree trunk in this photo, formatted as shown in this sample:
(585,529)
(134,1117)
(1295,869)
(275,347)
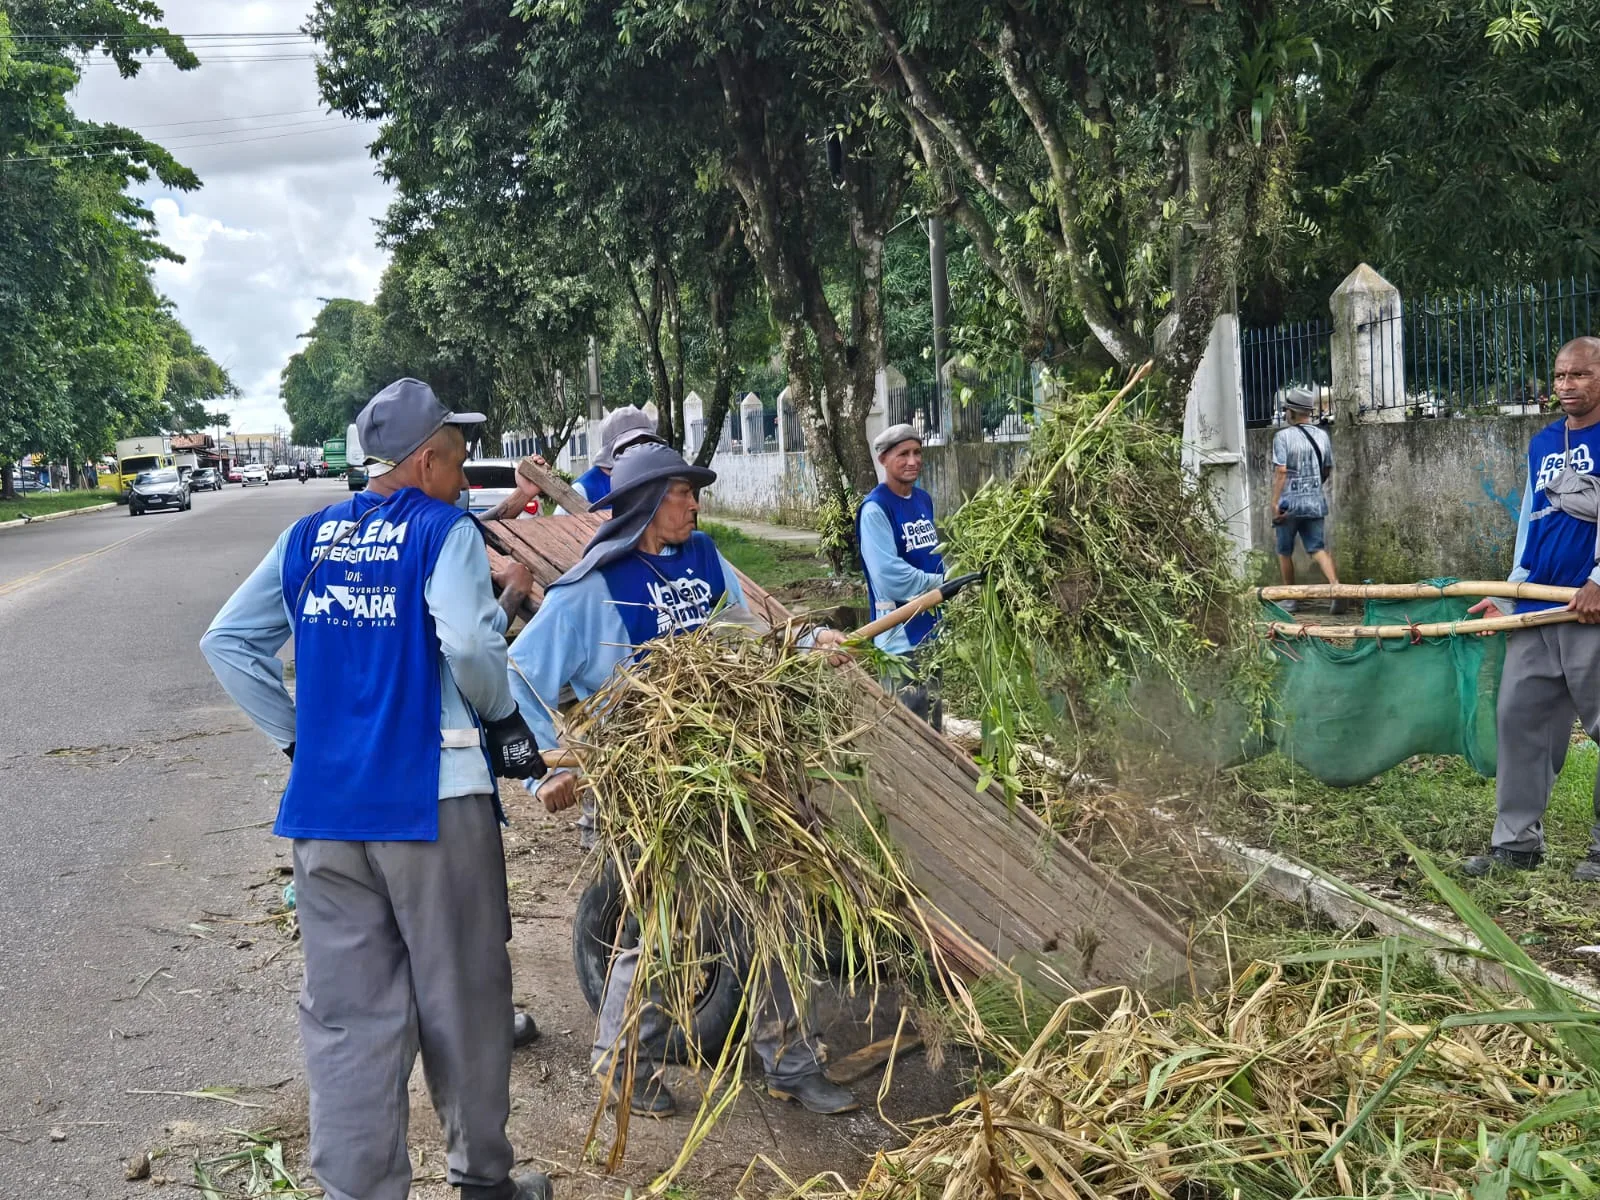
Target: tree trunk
(8,482)
(723,295)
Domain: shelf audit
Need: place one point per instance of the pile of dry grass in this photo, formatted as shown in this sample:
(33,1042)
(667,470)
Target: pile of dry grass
(1329,1085)
(730,799)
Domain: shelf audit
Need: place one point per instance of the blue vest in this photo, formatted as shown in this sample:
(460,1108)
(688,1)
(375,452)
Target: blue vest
(366,656)
(657,595)
(596,484)
(1560,548)
(911,518)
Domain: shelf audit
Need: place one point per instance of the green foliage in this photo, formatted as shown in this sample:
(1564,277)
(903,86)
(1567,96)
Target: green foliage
(771,564)
(1104,564)
(90,349)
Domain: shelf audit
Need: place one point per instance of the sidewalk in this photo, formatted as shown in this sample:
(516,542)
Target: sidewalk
(771,533)
(56,516)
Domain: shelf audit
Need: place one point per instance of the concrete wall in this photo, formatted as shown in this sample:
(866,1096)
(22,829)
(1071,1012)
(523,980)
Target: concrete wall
(1414,499)
(780,487)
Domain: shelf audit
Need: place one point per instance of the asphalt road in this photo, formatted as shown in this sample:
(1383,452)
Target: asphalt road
(133,957)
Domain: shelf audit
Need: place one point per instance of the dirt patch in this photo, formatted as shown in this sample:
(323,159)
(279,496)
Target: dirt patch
(553,1096)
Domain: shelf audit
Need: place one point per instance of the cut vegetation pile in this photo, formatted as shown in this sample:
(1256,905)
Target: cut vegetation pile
(1275,1087)
(1343,1072)
(1105,564)
(715,760)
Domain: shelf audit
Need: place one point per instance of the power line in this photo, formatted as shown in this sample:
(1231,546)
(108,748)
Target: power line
(198,146)
(167,62)
(102,138)
(120,37)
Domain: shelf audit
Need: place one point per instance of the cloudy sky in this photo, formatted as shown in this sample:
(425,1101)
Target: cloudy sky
(285,214)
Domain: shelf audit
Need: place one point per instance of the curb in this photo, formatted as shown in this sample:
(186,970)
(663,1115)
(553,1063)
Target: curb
(57,516)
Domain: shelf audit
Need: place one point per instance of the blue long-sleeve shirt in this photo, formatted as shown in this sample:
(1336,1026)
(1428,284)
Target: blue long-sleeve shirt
(243,641)
(572,645)
(894,580)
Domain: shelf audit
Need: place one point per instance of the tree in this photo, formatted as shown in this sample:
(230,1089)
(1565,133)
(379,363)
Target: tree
(79,327)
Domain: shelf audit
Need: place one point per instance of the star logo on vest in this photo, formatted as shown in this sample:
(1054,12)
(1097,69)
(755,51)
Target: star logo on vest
(361,608)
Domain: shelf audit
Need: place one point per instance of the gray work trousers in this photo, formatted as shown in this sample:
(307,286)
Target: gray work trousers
(405,948)
(786,1049)
(1551,675)
(921,690)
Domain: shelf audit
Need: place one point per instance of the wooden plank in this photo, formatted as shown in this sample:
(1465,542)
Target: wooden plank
(872,1056)
(1001,886)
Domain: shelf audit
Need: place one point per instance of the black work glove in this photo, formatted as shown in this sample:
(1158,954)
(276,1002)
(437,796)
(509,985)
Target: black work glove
(288,751)
(511,750)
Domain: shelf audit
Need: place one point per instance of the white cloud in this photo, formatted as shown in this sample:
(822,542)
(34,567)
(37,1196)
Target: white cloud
(289,195)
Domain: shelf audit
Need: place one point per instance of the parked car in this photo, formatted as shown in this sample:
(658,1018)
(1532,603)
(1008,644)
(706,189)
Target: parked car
(235,475)
(255,473)
(205,479)
(490,481)
(161,488)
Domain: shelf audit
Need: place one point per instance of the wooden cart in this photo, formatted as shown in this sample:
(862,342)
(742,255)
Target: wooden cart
(1005,890)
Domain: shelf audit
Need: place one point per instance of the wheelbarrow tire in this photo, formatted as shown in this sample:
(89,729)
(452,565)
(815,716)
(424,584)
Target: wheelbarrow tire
(594,931)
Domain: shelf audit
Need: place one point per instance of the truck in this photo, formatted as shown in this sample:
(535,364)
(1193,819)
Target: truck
(137,454)
(333,456)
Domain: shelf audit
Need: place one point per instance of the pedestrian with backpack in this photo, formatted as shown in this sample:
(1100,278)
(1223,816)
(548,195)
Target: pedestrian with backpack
(1302,463)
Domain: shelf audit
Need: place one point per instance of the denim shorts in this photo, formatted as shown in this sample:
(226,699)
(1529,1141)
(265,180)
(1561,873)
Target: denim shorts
(1309,530)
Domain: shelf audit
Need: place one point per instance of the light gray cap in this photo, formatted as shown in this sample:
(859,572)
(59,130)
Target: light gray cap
(401,417)
(621,427)
(1300,398)
(892,437)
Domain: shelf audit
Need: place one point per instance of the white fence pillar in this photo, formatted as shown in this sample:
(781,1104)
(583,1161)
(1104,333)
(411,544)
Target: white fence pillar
(1213,431)
(750,414)
(694,424)
(1369,382)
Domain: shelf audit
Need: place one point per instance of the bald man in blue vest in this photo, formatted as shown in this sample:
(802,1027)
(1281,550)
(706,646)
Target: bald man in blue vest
(400,722)
(899,552)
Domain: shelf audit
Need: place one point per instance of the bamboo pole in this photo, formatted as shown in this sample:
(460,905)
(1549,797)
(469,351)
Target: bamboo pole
(1417,591)
(1433,629)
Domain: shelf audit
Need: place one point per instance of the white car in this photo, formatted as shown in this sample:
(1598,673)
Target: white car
(490,481)
(254,473)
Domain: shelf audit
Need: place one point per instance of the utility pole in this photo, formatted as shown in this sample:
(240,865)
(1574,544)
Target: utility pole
(941,325)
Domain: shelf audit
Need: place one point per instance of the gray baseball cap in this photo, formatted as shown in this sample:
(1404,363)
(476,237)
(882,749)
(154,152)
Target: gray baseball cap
(400,418)
(623,427)
(892,437)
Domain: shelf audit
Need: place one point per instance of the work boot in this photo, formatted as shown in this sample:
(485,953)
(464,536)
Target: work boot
(523,1030)
(1289,606)
(814,1093)
(533,1185)
(1338,607)
(1500,859)
(1588,871)
(650,1097)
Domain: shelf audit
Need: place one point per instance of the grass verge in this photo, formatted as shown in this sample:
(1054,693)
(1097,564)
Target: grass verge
(1447,809)
(37,505)
(773,565)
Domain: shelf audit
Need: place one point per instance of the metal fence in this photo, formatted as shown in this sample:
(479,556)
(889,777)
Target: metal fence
(1299,352)
(994,406)
(1445,354)
(794,434)
(1476,352)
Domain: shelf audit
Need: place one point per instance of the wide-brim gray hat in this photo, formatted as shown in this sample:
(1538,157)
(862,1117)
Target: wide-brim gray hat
(616,429)
(1300,398)
(892,437)
(638,486)
(401,418)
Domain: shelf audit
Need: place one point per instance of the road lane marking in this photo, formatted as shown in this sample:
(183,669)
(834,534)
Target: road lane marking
(19,584)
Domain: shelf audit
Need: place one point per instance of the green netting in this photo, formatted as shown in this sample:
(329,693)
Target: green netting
(1350,710)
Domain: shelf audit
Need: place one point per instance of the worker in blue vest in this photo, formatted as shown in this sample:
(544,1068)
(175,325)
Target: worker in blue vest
(400,721)
(648,573)
(894,528)
(623,428)
(619,430)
